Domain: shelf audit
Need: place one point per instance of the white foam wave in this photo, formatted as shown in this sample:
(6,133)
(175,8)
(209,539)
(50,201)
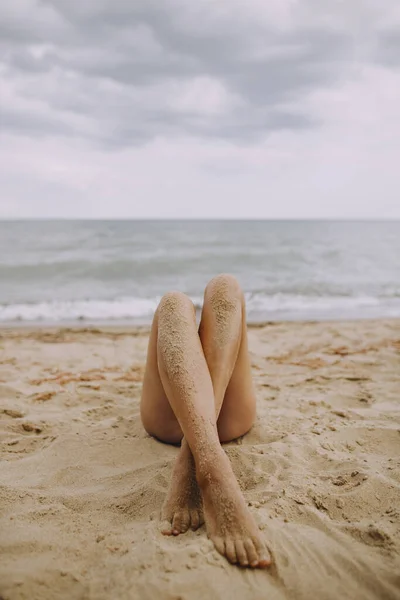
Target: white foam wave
(75,310)
(259,307)
(296,302)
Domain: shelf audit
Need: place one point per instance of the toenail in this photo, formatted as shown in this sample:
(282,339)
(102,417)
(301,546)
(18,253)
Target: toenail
(254,563)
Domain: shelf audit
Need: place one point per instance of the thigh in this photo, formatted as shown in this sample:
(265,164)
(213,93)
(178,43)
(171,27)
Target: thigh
(239,406)
(158,418)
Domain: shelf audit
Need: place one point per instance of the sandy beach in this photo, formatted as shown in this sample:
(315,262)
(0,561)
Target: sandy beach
(82,484)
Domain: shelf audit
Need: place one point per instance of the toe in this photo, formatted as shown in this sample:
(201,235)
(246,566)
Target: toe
(201,517)
(252,555)
(230,551)
(181,522)
(195,519)
(241,553)
(264,562)
(166,527)
(264,557)
(219,545)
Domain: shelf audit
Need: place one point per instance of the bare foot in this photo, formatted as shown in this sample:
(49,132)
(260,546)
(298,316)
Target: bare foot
(229,522)
(182,508)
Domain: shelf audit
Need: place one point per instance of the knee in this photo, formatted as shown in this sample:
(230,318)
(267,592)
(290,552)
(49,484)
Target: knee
(224,291)
(173,303)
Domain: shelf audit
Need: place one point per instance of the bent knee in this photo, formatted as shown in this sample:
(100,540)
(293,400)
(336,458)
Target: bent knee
(173,302)
(225,281)
(224,292)
(224,285)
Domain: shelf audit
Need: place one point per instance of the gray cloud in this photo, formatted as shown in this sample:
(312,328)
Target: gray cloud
(170,108)
(388,52)
(131,71)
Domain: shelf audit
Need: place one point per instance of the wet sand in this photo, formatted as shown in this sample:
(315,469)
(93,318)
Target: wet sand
(82,484)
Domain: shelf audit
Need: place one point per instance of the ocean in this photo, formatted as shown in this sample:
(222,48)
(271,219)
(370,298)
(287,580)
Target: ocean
(116,271)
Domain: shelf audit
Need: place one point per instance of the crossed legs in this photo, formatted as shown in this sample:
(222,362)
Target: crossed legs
(198,390)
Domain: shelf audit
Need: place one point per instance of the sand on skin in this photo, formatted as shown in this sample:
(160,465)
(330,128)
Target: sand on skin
(81,483)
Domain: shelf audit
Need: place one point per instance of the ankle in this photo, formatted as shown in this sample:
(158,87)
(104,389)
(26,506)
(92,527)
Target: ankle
(211,467)
(185,449)
(185,456)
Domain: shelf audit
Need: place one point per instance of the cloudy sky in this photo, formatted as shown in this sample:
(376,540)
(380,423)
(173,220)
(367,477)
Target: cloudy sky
(171,108)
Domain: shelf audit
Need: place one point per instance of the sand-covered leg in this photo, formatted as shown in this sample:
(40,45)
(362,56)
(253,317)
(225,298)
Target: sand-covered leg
(187,383)
(183,506)
(230,525)
(223,334)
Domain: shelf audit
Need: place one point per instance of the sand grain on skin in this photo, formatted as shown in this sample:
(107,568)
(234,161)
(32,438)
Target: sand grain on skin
(226,308)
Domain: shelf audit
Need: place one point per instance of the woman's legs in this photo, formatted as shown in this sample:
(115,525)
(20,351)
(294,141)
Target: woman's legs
(190,379)
(227,359)
(223,335)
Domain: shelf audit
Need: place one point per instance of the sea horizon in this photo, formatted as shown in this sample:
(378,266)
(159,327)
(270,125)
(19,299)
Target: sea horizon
(116,270)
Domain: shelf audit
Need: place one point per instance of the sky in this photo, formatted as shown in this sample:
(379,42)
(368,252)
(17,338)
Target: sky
(206,109)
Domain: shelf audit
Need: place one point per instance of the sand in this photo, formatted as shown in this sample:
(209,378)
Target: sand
(82,484)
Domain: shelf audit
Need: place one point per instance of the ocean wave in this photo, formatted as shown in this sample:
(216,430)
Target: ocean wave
(298,302)
(259,307)
(77,310)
